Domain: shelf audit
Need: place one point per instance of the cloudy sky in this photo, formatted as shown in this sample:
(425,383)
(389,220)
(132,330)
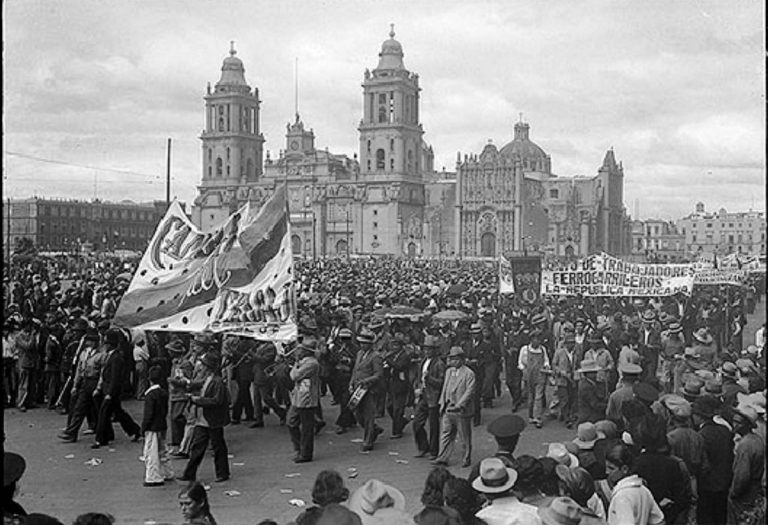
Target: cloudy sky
(676,88)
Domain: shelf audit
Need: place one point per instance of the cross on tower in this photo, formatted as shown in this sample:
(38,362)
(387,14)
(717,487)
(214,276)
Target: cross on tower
(391,30)
(232,48)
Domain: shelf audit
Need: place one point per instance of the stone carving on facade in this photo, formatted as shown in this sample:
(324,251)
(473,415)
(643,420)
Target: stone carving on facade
(361,192)
(487,222)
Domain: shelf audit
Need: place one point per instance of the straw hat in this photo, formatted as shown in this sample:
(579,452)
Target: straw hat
(559,453)
(703,336)
(373,496)
(560,511)
(586,435)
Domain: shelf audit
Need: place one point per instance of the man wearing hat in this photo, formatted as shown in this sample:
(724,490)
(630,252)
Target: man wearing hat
(305,398)
(343,354)
(704,346)
(495,482)
(630,374)
(367,375)
(534,362)
(111,387)
(178,382)
(746,499)
(563,369)
(428,388)
(214,402)
(263,358)
(478,352)
(598,353)
(715,478)
(506,431)
(692,389)
(28,356)
(591,394)
(456,408)
(731,388)
(673,343)
(396,367)
(88,364)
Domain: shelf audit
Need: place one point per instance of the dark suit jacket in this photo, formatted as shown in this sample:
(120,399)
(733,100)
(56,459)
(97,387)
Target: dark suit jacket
(368,370)
(398,363)
(433,386)
(215,403)
(155,411)
(263,357)
(112,374)
(592,401)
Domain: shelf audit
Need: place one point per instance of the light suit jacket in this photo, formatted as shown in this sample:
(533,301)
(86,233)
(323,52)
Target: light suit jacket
(458,388)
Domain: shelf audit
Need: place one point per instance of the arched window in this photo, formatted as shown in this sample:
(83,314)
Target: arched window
(210,172)
(410,160)
(380,162)
(219,166)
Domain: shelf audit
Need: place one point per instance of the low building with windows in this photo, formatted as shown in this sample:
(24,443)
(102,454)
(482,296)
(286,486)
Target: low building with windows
(723,232)
(69,225)
(657,240)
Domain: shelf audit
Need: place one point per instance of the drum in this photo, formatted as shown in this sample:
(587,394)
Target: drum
(356,397)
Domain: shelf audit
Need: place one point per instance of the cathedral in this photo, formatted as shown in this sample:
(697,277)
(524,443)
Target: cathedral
(388,199)
(338,205)
(508,200)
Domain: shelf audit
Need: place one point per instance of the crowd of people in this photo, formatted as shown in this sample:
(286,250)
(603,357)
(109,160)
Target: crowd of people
(666,395)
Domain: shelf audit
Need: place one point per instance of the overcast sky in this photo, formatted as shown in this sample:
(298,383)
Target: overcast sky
(676,88)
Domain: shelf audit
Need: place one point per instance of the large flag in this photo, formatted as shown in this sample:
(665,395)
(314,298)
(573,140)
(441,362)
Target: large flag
(506,281)
(237,278)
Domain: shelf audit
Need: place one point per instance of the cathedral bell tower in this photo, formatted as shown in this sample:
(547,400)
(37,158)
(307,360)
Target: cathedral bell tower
(232,143)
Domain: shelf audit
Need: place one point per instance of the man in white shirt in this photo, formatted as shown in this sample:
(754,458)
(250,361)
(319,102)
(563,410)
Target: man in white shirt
(760,338)
(456,408)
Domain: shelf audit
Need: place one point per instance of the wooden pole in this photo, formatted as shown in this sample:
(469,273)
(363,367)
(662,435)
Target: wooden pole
(168,176)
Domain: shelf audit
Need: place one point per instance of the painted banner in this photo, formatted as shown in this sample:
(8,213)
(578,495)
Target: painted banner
(603,275)
(720,276)
(506,281)
(526,276)
(237,278)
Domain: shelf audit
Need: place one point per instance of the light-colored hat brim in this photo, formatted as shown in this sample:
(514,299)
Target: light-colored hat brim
(355,502)
(479,486)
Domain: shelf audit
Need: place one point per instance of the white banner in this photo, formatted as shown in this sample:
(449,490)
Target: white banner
(603,275)
(236,279)
(506,280)
(720,276)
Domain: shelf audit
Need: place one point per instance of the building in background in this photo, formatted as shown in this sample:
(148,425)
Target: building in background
(338,205)
(509,200)
(440,214)
(59,225)
(723,232)
(656,240)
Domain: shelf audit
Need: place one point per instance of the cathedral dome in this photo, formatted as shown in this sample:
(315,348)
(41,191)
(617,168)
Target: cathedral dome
(232,70)
(391,55)
(524,148)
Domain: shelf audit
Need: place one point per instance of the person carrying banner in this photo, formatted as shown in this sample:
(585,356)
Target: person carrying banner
(214,416)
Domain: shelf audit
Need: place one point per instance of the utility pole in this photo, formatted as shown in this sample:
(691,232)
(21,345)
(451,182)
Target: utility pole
(314,235)
(168,176)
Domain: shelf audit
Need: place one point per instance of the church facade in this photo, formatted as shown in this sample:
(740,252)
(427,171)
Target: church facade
(338,205)
(508,200)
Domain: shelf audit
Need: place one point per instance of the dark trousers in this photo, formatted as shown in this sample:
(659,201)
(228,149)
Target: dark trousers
(10,381)
(82,407)
(52,387)
(712,508)
(262,395)
(109,408)
(566,397)
(365,412)
(396,410)
(301,425)
(514,378)
(426,442)
(346,418)
(490,375)
(243,401)
(478,395)
(178,419)
(200,438)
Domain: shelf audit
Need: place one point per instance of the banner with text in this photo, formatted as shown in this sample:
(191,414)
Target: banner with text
(603,275)
(720,276)
(236,279)
(526,277)
(506,281)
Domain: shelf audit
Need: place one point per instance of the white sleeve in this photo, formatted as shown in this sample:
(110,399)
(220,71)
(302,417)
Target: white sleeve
(522,359)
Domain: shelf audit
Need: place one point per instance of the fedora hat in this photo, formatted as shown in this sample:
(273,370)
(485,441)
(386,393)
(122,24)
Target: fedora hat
(703,336)
(345,333)
(13,468)
(690,352)
(475,328)
(649,316)
(176,347)
(456,351)
(211,361)
(678,406)
(589,365)
(746,366)
(494,477)
(692,388)
(559,453)
(713,387)
(506,426)
(748,411)
(586,435)
(366,336)
(560,511)
(375,495)
(675,328)
(755,400)
(630,369)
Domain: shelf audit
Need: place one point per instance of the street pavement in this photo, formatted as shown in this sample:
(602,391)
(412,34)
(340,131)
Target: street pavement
(59,482)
